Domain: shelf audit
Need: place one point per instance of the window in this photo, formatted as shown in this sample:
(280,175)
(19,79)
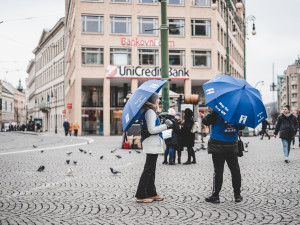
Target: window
(294,103)
(5,105)
(92,0)
(148,1)
(294,78)
(294,86)
(92,24)
(92,56)
(200,28)
(200,2)
(148,57)
(125,1)
(176,27)
(294,95)
(218,31)
(148,26)
(176,58)
(201,58)
(298,69)
(218,61)
(120,25)
(120,56)
(176,2)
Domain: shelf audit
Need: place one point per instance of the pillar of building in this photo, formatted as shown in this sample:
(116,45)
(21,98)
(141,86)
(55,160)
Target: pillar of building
(106,107)
(187,87)
(77,104)
(134,85)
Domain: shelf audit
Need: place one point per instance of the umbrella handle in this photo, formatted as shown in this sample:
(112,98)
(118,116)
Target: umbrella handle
(125,136)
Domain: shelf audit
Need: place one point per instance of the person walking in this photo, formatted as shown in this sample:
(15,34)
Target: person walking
(223,146)
(178,149)
(204,130)
(287,125)
(152,146)
(76,128)
(298,120)
(66,126)
(38,127)
(187,137)
(172,142)
(70,129)
(264,126)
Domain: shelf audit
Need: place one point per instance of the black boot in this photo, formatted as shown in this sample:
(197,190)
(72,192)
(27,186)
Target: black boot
(189,158)
(193,156)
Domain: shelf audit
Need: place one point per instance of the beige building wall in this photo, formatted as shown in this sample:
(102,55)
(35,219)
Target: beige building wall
(79,75)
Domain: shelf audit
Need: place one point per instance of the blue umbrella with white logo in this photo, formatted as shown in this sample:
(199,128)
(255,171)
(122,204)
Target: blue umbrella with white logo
(131,111)
(235,100)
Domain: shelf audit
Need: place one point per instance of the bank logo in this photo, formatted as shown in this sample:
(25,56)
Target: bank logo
(243,119)
(127,118)
(111,70)
(210,91)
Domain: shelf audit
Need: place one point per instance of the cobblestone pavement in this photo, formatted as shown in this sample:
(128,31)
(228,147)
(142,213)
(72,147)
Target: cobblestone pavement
(93,195)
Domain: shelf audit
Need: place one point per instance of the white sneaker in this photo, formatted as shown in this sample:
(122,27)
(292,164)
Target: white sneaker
(293,146)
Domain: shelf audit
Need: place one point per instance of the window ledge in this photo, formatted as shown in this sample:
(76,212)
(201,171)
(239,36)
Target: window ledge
(117,34)
(93,33)
(200,67)
(92,65)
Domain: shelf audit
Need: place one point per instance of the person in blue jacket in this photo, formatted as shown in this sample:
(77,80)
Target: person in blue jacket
(223,145)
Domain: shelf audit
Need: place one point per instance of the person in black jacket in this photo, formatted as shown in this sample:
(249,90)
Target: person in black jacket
(171,143)
(265,125)
(187,137)
(287,125)
(298,120)
(223,146)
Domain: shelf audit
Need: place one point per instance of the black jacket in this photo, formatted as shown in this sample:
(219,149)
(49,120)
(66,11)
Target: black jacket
(265,124)
(187,137)
(173,141)
(287,126)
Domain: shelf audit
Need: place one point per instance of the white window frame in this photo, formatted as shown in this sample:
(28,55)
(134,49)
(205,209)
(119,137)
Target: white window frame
(120,1)
(205,22)
(121,51)
(181,54)
(97,50)
(200,3)
(143,20)
(115,19)
(155,2)
(85,19)
(147,51)
(298,69)
(180,25)
(181,3)
(92,0)
(201,53)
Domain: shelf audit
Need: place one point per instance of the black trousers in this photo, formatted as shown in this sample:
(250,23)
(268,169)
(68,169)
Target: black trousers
(75,132)
(146,187)
(264,132)
(66,132)
(233,164)
(191,154)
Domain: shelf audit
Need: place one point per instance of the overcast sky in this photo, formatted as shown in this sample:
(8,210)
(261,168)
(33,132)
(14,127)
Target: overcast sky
(277,40)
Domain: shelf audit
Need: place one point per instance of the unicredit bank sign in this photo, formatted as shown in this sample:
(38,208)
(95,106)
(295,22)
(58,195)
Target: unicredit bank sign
(144,73)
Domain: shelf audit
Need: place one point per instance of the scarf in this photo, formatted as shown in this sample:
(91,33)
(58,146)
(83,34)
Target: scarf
(288,114)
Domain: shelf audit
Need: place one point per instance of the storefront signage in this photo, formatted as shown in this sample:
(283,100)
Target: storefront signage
(144,73)
(64,112)
(69,106)
(143,42)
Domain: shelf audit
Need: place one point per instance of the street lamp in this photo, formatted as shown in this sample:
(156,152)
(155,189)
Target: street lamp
(55,95)
(261,81)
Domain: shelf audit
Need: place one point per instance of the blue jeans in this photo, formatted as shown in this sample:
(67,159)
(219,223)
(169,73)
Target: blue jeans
(286,146)
(169,151)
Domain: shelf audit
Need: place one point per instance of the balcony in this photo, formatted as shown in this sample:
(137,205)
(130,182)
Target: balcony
(44,107)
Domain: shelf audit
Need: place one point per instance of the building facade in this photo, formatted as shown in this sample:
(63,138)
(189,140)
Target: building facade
(113,46)
(45,82)
(19,105)
(7,103)
(289,87)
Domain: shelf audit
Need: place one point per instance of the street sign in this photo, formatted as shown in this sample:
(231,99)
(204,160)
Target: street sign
(69,106)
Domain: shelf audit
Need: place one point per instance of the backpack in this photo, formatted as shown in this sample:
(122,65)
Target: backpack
(195,127)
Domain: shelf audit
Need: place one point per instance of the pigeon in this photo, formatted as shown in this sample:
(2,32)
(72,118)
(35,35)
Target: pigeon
(42,151)
(75,162)
(84,152)
(114,171)
(203,147)
(129,152)
(118,156)
(112,151)
(41,169)
(69,153)
(246,146)
(198,149)
(70,172)
(68,161)
(34,146)
(90,152)
(137,151)
(81,150)
(101,157)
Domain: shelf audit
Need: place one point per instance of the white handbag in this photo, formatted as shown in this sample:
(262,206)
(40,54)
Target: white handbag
(167,134)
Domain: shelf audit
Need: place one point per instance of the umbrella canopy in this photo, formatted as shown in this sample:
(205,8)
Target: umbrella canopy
(131,111)
(235,100)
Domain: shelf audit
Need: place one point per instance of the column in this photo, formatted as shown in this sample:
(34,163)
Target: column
(106,107)
(134,85)
(187,87)
(77,103)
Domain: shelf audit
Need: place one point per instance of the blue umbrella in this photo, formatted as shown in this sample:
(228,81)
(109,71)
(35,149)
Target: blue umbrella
(235,100)
(131,111)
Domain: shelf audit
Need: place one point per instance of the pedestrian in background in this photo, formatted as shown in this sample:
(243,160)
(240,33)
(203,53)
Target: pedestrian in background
(187,137)
(66,126)
(204,130)
(298,120)
(76,128)
(223,146)
(152,146)
(38,127)
(264,127)
(178,149)
(172,142)
(70,129)
(287,125)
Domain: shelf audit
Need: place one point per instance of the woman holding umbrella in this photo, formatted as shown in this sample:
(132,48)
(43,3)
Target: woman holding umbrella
(152,146)
(287,126)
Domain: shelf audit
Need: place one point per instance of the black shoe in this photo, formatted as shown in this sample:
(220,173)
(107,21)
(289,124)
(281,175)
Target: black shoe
(269,138)
(172,163)
(193,162)
(213,199)
(238,198)
(179,162)
(165,162)
(187,163)
(286,161)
